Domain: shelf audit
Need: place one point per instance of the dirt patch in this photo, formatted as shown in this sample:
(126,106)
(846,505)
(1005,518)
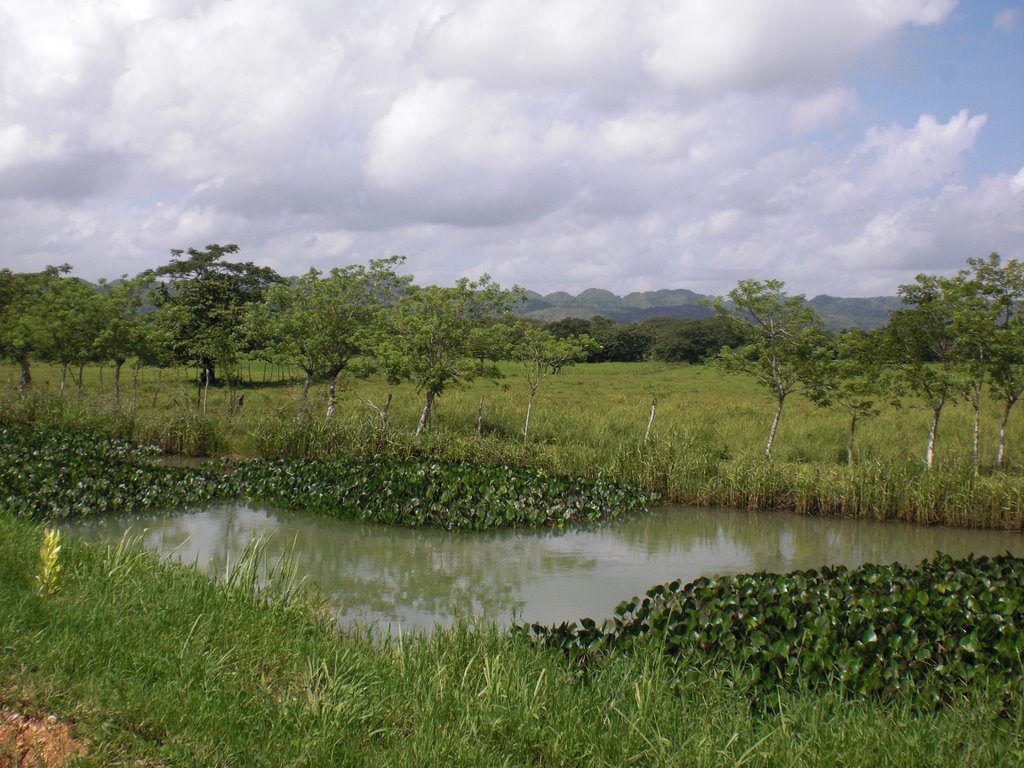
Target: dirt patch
(35,742)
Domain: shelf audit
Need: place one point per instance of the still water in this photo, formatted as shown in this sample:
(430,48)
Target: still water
(401,578)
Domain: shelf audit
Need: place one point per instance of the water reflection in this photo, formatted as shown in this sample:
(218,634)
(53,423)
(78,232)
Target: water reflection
(418,578)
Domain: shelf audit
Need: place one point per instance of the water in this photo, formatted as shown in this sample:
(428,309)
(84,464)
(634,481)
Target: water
(416,578)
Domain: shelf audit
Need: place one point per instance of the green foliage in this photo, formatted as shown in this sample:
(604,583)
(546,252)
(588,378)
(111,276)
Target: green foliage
(934,630)
(201,307)
(785,353)
(439,337)
(320,323)
(52,475)
(23,316)
(442,494)
(49,474)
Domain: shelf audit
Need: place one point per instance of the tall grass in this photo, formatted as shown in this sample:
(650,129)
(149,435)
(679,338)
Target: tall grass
(704,448)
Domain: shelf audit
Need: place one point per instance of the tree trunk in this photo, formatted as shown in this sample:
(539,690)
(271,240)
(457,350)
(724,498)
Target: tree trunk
(529,410)
(974,395)
(331,399)
(480,418)
(933,431)
(156,389)
(976,438)
(207,373)
(1001,450)
(135,388)
(117,383)
(26,375)
(428,406)
(63,377)
(81,374)
(774,427)
(304,399)
(650,420)
(850,438)
(206,390)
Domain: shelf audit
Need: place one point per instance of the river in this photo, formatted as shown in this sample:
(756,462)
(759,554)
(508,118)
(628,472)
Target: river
(402,578)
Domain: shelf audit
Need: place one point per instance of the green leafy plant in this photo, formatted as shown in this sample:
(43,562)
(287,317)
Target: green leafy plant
(933,630)
(49,567)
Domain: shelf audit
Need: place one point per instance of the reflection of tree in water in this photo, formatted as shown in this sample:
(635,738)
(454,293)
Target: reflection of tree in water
(420,576)
(783,541)
(376,571)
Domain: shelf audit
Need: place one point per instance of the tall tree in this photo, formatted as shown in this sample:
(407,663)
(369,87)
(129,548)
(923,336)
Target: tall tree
(786,349)
(437,337)
(850,379)
(23,309)
(921,345)
(1003,285)
(123,333)
(73,321)
(541,354)
(201,304)
(321,322)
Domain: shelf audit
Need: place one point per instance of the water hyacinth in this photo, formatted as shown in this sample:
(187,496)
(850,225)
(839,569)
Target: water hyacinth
(933,630)
(50,475)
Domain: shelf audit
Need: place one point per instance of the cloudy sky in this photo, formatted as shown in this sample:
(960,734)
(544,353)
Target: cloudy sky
(841,146)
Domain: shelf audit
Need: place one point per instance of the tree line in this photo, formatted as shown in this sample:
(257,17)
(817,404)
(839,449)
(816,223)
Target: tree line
(955,338)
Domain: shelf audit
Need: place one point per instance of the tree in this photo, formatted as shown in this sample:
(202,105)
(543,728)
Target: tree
(619,343)
(201,304)
(122,333)
(786,349)
(850,378)
(541,354)
(678,340)
(321,322)
(23,330)
(437,337)
(1003,286)
(973,325)
(920,344)
(72,321)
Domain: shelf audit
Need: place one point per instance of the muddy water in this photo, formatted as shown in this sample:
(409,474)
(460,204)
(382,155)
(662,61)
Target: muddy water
(406,578)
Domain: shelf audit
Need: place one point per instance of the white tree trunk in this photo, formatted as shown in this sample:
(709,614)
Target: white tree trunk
(304,399)
(774,428)
(529,410)
(650,420)
(850,438)
(331,399)
(425,414)
(933,431)
(1001,450)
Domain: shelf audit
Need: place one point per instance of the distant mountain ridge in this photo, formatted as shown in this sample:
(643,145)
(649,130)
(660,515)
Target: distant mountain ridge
(838,313)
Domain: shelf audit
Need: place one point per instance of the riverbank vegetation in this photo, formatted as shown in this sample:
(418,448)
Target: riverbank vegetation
(53,475)
(704,446)
(227,358)
(253,673)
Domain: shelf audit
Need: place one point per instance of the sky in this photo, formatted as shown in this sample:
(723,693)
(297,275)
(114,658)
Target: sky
(842,147)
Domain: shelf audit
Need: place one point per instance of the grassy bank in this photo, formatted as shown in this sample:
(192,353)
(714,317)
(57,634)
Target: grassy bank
(225,675)
(704,446)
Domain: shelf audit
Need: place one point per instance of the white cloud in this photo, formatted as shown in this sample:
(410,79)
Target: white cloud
(558,144)
(1007,19)
(748,44)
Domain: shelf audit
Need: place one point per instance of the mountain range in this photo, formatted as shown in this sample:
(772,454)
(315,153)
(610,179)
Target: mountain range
(837,313)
